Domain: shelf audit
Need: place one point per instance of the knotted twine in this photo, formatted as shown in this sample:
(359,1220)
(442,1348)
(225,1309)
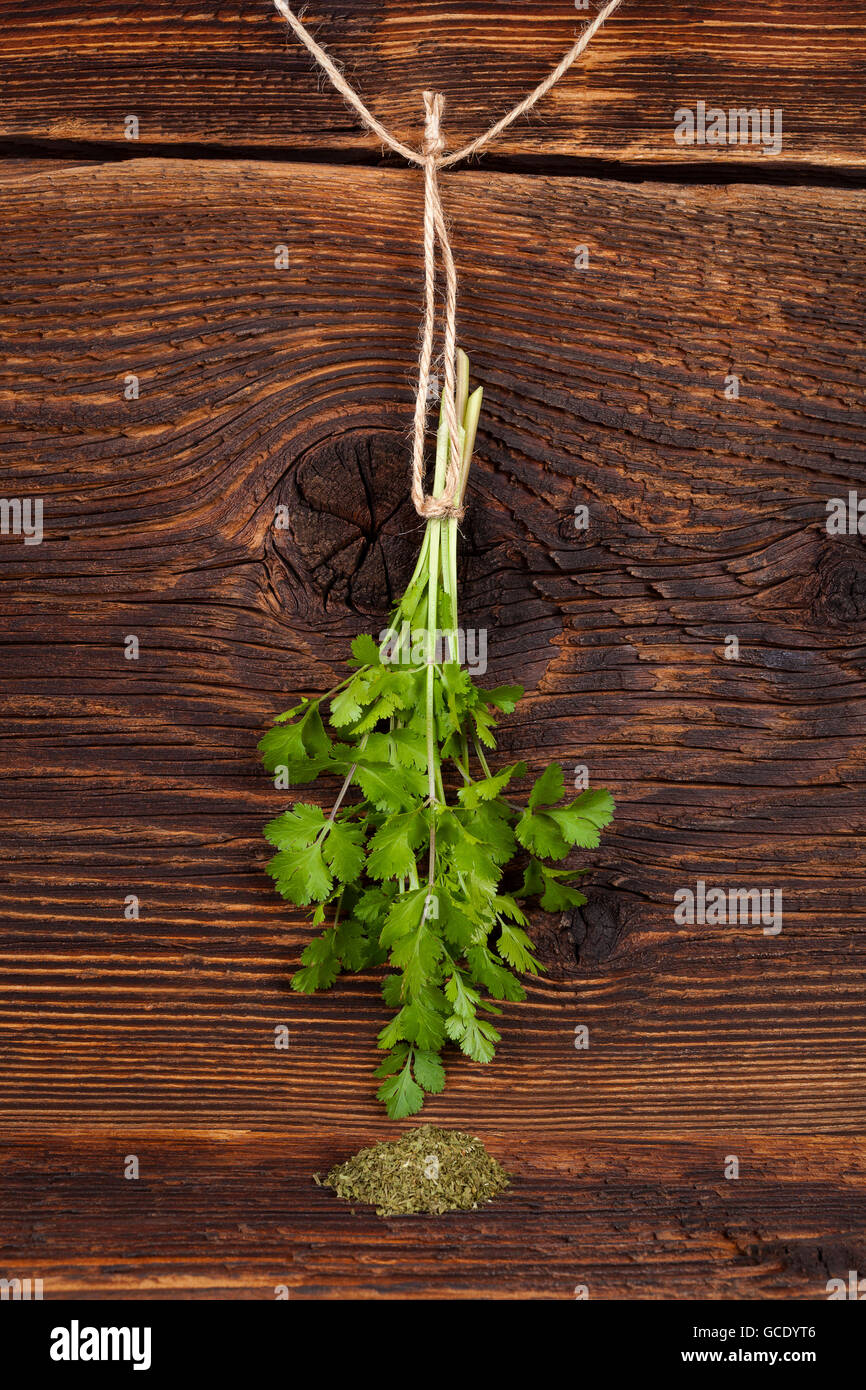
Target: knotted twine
(432,157)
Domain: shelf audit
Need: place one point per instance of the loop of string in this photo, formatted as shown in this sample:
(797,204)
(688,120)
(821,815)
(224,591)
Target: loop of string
(435,229)
(431,158)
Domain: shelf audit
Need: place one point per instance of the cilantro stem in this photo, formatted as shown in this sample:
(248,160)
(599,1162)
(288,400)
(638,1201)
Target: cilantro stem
(462,392)
(407,605)
(342,792)
(432,761)
(481,758)
(470,429)
(312,700)
(461,769)
(434,530)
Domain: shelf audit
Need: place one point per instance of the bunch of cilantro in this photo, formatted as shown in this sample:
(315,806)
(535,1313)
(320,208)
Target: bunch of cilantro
(406,869)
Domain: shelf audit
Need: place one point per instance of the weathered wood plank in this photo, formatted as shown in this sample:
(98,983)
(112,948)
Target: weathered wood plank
(226,1215)
(262,387)
(225,75)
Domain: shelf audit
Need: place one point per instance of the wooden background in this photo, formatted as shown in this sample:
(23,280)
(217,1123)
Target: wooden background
(261,387)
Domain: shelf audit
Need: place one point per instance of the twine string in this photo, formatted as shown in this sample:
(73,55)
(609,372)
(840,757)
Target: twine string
(436,230)
(431,158)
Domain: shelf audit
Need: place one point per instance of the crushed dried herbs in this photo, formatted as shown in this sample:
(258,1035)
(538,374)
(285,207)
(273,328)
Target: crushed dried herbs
(427,1169)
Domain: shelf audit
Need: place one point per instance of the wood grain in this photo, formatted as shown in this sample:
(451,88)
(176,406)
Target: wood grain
(262,387)
(226,76)
(217,1215)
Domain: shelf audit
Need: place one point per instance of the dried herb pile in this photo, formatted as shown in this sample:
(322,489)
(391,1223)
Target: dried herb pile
(427,1170)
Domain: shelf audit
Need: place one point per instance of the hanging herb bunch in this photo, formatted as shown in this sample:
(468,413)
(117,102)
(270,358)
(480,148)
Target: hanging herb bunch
(405,870)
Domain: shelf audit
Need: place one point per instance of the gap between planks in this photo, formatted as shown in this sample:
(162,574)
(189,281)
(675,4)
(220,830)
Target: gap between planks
(712,173)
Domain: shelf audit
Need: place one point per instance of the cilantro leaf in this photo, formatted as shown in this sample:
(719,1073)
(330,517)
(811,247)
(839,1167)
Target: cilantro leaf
(401,1095)
(541,835)
(343,850)
(416,954)
(395,1060)
(382,785)
(477,1040)
(346,707)
(488,788)
(296,829)
(548,886)
(504,697)
(352,944)
(404,916)
(392,850)
(364,650)
(549,788)
(429,1072)
(301,875)
(321,964)
(583,820)
(515,947)
(490,824)
(421,1021)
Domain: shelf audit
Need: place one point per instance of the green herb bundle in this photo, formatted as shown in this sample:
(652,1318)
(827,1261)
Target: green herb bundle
(406,869)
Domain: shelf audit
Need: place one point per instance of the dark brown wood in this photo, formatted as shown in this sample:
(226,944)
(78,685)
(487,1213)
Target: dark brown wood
(226,75)
(262,387)
(229,1215)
